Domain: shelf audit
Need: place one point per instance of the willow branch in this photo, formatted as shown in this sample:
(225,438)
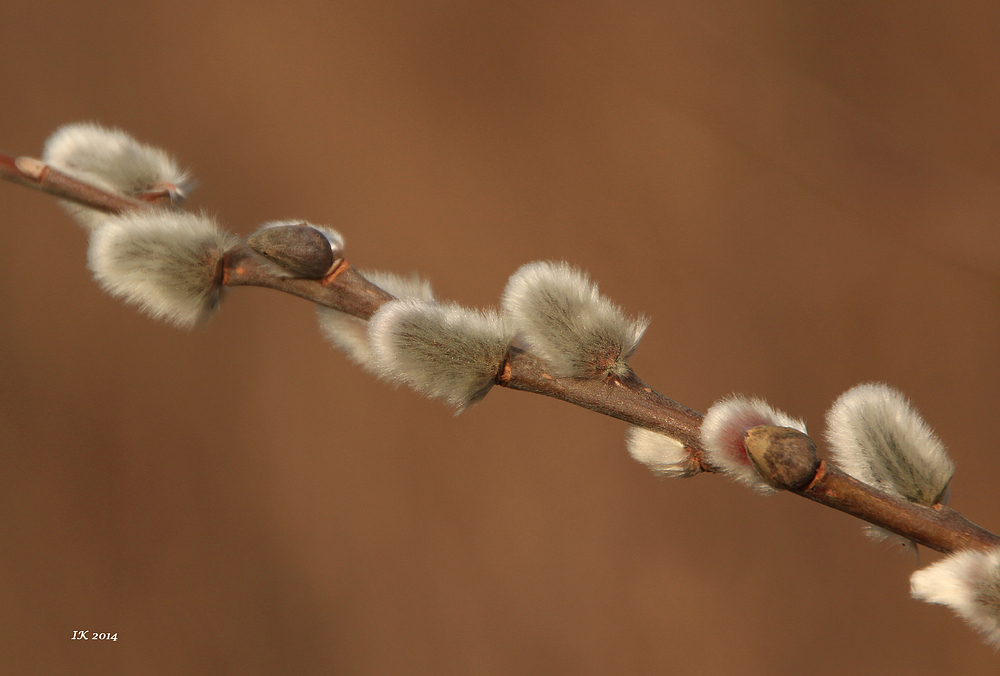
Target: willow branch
(32,173)
(786,461)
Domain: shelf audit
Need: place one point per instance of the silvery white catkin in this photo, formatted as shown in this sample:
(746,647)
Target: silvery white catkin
(968,582)
(724,428)
(568,323)
(878,438)
(350,334)
(662,454)
(111,160)
(165,262)
(443,350)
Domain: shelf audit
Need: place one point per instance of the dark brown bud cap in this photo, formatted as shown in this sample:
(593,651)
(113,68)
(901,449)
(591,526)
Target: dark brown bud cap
(299,248)
(784,457)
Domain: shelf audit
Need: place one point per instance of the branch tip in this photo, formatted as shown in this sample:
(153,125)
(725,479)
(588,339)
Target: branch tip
(31,167)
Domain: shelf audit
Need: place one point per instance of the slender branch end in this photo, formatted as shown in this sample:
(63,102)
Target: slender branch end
(31,167)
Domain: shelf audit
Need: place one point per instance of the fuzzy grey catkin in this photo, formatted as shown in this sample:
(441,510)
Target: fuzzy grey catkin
(350,334)
(662,454)
(877,437)
(566,321)
(111,160)
(165,262)
(723,432)
(443,350)
(968,582)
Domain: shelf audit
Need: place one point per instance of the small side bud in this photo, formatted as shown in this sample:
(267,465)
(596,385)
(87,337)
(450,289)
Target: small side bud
(445,351)
(301,248)
(877,437)
(568,323)
(968,582)
(663,455)
(784,457)
(350,334)
(112,160)
(723,432)
(167,263)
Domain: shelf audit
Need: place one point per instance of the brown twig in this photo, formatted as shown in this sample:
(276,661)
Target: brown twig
(787,459)
(343,289)
(627,399)
(28,171)
(789,462)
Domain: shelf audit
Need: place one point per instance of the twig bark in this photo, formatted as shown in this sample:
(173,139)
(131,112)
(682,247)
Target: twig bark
(33,173)
(787,459)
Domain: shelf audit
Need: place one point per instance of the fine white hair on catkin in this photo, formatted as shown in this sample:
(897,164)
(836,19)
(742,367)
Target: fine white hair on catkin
(443,350)
(350,334)
(111,160)
(662,454)
(968,582)
(877,437)
(723,432)
(565,320)
(165,262)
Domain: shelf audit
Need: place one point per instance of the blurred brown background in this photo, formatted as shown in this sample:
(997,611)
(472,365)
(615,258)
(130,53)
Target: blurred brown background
(803,196)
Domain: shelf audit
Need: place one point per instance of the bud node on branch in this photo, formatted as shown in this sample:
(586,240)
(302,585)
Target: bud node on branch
(784,456)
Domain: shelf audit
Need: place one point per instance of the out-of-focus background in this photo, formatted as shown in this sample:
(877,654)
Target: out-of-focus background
(803,196)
